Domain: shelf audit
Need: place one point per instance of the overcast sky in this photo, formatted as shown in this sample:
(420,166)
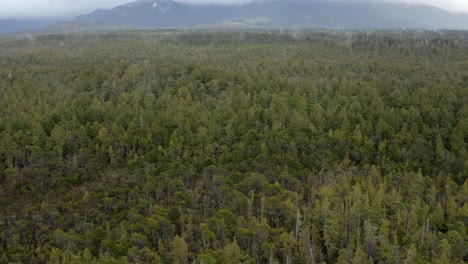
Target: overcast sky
(69,8)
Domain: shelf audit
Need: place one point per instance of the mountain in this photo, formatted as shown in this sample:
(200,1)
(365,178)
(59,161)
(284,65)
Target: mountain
(272,13)
(30,24)
(163,13)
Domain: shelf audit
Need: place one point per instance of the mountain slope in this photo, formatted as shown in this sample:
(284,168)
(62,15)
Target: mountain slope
(277,13)
(17,25)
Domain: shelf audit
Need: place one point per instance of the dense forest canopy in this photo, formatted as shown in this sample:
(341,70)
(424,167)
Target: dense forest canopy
(234,147)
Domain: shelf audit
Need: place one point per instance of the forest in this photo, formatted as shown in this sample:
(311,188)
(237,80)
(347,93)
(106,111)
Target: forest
(234,146)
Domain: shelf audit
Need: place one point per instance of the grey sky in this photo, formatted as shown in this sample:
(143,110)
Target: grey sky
(68,8)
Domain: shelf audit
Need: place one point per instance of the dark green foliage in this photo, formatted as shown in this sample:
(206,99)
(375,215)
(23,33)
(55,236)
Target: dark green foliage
(153,147)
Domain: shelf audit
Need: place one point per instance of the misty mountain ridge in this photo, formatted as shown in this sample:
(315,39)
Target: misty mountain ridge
(277,13)
(366,14)
(25,24)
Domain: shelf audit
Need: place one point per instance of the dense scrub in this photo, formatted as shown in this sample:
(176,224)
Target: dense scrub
(234,147)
